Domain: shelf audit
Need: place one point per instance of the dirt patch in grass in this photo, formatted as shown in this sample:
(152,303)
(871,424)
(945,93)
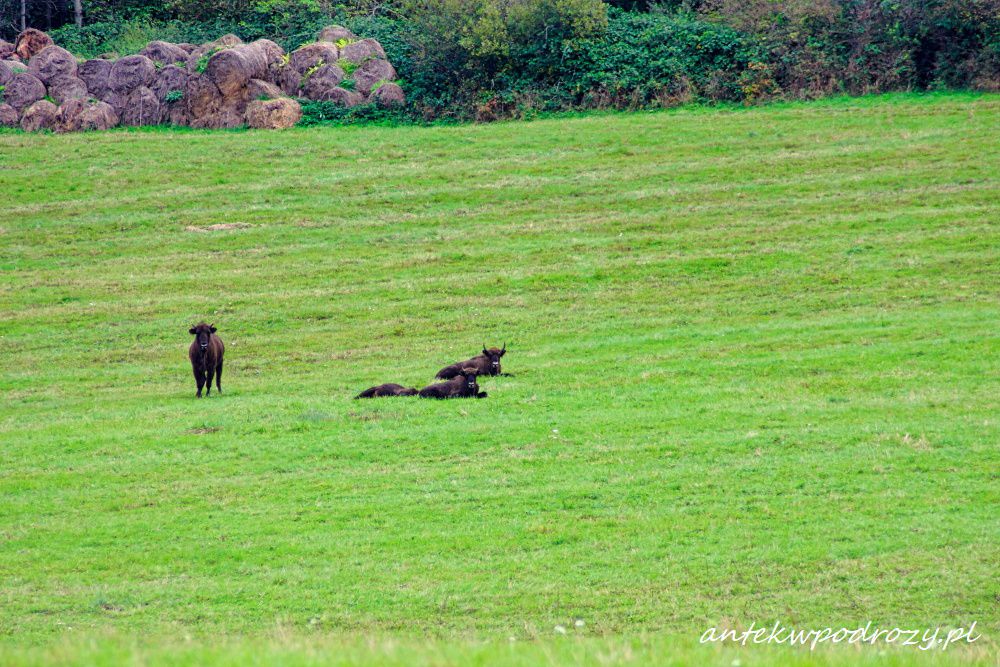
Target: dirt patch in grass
(203,430)
(372,416)
(222,226)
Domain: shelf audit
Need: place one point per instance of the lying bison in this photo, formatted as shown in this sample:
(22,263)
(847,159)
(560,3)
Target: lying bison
(487,363)
(388,389)
(460,386)
(206,353)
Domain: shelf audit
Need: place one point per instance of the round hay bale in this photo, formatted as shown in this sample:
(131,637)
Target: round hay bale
(95,74)
(285,77)
(309,56)
(343,97)
(64,88)
(141,108)
(131,72)
(231,69)
(8,69)
(164,53)
(187,46)
(51,62)
(30,42)
(318,84)
(389,94)
(208,48)
(178,114)
(362,50)
(222,119)
(8,116)
(23,90)
(335,33)
(81,115)
(169,79)
(371,72)
(6,49)
(116,101)
(42,115)
(229,39)
(262,90)
(201,96)
(272,52)
(258,55)
(275,114)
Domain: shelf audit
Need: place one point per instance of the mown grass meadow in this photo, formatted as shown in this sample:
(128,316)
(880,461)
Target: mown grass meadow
(756,359)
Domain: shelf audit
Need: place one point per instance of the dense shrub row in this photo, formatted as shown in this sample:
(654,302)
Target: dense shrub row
(488,59)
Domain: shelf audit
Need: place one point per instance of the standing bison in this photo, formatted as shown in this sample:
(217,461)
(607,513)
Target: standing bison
(206,353)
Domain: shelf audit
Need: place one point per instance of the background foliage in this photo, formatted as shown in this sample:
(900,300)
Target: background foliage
(489,59)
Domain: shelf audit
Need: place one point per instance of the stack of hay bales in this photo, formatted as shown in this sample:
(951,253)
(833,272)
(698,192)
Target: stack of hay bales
(221,84)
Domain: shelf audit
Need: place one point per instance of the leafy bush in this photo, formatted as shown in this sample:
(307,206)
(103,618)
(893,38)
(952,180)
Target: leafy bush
(330,113)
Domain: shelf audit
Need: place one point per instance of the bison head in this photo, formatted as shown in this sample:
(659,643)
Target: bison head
(203,334)
(493,358)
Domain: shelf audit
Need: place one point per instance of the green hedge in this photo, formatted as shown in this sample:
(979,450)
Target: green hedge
(466,59)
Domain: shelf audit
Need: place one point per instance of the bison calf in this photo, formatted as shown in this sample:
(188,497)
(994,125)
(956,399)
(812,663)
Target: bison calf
(460,386)
(206,357)
(486,363)
(388,389)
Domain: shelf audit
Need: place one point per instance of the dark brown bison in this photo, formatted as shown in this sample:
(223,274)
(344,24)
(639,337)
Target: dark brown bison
(487,363)
(460,386)
(206,353)
(388,389)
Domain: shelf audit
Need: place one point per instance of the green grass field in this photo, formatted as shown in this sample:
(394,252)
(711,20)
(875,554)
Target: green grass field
(756,359)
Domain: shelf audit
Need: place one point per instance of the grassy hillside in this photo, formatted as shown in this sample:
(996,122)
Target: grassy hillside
(756,359)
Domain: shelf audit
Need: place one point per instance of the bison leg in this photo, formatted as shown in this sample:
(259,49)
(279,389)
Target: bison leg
(218,377)
(481,394)
(199,377)
(208,386)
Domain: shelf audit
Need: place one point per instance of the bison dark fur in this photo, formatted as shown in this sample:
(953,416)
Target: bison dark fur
(206,353)
(486,363)
(460,386)
(388,389)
